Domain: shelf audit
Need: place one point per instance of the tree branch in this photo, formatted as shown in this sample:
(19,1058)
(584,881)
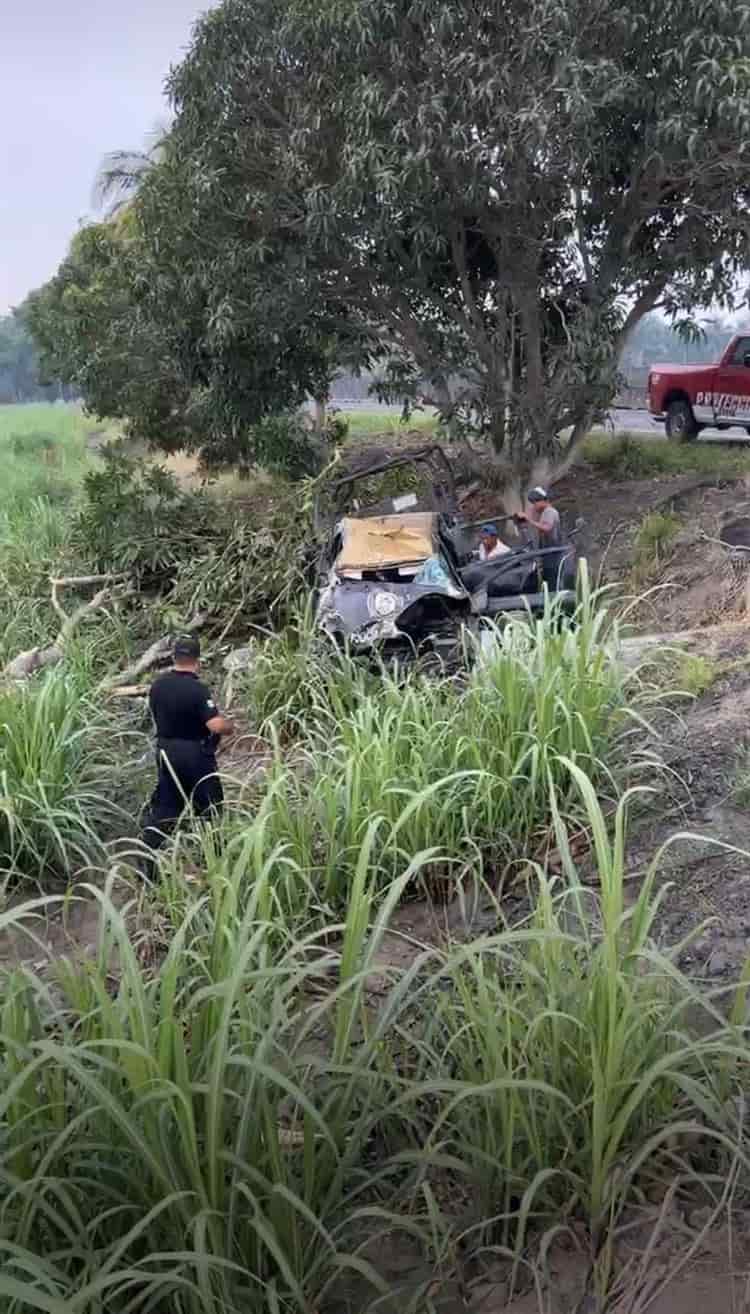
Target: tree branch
(26,663)
(158,652)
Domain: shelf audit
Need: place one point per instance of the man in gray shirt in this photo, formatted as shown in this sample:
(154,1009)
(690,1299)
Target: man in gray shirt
(544,519)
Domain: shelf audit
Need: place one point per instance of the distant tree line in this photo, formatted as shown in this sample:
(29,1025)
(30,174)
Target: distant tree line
(655,339)
(20,375)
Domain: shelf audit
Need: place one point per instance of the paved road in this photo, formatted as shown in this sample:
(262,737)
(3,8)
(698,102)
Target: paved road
(641,422)
(634,421)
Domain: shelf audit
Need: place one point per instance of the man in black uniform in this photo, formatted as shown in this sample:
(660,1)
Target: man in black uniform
(188,728)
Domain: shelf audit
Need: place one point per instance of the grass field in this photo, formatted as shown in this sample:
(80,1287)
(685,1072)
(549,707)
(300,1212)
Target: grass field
(366,424)
(42,452)
(43,459)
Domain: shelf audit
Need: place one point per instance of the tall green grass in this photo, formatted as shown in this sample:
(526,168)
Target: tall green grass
(57,763)
(580,1039)
(43,459)
(33,543)
(464,767)
(243,1128)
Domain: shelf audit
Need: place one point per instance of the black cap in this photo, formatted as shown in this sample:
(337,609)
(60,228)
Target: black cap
(537,494)
(186,645)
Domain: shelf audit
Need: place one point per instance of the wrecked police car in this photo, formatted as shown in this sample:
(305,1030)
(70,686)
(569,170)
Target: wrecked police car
(388,576)
(396,574)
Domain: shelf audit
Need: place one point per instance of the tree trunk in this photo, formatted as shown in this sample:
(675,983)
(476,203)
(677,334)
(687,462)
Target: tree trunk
(320,414)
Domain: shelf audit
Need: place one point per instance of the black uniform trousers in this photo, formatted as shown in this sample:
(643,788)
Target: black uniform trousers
(187,776)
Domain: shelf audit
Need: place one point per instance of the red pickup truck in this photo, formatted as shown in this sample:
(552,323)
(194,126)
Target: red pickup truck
(693,397)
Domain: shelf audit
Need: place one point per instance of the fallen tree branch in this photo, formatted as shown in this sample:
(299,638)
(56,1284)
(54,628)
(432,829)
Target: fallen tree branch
(72,622)
(159,651)
(35,659)
(79,581)
(57,606)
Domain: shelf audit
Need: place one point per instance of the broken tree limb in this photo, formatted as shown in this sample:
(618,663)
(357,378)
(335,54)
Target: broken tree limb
(57,606)
(80,581)
(75,582)
(159,651)
(35,659)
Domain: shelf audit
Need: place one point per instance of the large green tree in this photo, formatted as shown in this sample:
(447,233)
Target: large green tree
(492,192)
(94,330)
(175,333)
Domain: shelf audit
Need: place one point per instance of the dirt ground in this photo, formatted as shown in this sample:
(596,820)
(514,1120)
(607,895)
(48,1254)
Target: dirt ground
(665,1264)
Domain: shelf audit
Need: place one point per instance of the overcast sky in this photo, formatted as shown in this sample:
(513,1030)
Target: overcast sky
(78,78)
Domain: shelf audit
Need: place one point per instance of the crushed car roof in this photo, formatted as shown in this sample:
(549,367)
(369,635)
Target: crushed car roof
(378,541)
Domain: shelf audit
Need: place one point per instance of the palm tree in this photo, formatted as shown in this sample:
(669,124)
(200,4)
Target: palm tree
(121,173)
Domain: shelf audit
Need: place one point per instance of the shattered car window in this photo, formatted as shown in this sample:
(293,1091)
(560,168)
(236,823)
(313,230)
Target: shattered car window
(434,571)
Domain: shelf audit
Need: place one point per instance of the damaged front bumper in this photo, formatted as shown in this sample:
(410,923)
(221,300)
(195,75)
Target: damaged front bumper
(368,615)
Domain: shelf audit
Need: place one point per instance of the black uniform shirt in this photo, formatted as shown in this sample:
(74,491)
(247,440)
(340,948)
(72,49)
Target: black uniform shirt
(181,705)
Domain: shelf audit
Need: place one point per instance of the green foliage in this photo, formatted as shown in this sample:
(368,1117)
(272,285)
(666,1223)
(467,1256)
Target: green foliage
(281,444)
(252,565)
(223,367)
(477,199)
(476,762)
(741,782)
(236,1127)
(19,364)
(655,534)
(197,551)
(95,300)
(136,518)
(199,1116)
(52,777)
(590,1055)
(296,676)
(695,674)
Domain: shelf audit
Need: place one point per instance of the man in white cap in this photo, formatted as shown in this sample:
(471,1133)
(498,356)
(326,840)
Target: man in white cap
(545,520)
(543,517)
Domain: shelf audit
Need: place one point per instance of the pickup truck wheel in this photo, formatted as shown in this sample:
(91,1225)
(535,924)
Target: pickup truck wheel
(681,422)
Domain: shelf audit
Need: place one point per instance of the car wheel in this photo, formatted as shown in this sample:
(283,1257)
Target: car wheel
(681,424)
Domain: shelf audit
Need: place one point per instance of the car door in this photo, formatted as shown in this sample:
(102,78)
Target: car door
(732,386)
